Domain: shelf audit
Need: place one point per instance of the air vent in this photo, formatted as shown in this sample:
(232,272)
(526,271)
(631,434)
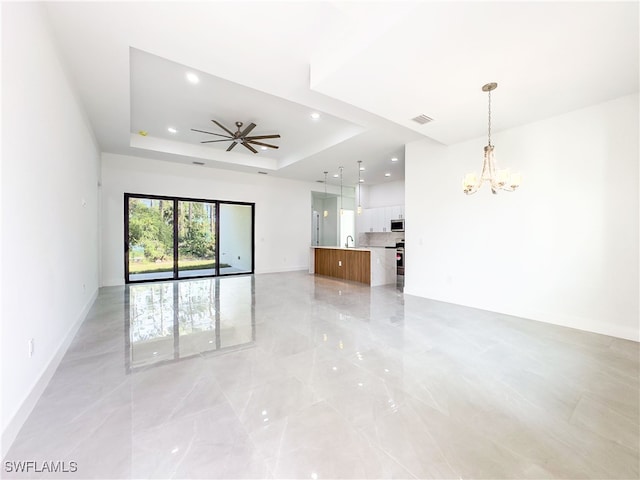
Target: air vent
(320,181)
(198,163)
(263,173)
(422,119)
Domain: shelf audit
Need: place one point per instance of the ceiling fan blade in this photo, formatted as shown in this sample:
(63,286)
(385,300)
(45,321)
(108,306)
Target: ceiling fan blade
(223,127)
(260,137)
(213,141)
(250,147)
(258,143)
(210,133)
(231,146)
(246,131)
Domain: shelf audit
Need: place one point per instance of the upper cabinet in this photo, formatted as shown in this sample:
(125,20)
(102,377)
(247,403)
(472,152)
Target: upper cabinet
(395,213)
(378,219)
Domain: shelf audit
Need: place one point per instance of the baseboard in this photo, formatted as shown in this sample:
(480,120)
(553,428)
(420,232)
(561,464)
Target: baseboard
(284,270)
(588,325)
(15,424)
(112,282)
(577,323)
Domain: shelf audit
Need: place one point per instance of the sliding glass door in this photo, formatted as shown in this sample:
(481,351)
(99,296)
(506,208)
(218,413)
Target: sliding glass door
(196,239)
(172,238)
(236,238)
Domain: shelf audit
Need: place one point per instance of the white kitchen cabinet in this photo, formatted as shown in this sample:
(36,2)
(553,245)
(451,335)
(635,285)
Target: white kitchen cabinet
(379,219)
(365,221)
(395,213)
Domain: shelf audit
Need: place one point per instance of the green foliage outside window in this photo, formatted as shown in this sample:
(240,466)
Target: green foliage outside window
(151,230)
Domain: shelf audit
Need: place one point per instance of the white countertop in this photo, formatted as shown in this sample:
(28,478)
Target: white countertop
(362,249)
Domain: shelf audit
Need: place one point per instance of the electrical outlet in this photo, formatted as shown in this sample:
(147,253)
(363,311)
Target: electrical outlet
(339,263)
(31,347)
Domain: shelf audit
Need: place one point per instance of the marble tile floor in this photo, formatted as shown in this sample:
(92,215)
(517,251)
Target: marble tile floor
(291,375)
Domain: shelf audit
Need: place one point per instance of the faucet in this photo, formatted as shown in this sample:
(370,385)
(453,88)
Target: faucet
(347,242)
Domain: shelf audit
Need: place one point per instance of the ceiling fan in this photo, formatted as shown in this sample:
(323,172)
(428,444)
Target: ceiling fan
(240,136)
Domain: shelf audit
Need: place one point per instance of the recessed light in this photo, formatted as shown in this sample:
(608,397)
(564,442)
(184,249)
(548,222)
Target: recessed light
(394,159)
(362,180)
(192,77)
(172,130)
(335,175)
(387,174)
(315,115)
(362,169)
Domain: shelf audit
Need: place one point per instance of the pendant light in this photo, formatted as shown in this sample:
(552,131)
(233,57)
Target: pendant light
(498,179)
(341,207)
(359,194)
(325,214)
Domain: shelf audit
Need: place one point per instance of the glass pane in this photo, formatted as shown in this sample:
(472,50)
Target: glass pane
(324,219)
(196,239)
(236,238)
(150,239)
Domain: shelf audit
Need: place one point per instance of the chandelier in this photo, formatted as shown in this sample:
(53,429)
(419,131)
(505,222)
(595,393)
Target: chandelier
(498,179)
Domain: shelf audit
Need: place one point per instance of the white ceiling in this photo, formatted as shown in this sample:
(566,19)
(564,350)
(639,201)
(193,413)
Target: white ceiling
(366,67)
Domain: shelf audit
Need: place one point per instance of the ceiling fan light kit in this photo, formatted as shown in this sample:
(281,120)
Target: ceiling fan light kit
(240,137)
(498,179)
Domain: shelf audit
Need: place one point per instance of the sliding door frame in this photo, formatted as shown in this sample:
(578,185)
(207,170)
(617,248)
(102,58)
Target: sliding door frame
(175,201)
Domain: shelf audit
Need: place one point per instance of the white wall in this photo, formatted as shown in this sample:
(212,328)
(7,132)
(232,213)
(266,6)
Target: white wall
(49,212)
(562,249)
(384,194)
(283,208)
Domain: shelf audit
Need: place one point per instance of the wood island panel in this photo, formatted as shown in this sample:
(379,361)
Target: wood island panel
(323,262)
(359,266)
(356,264)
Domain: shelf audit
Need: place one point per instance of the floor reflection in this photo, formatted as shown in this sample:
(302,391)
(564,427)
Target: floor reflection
(169,321)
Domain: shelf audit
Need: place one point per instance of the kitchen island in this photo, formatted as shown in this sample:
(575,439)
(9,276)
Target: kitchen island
(371,265)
